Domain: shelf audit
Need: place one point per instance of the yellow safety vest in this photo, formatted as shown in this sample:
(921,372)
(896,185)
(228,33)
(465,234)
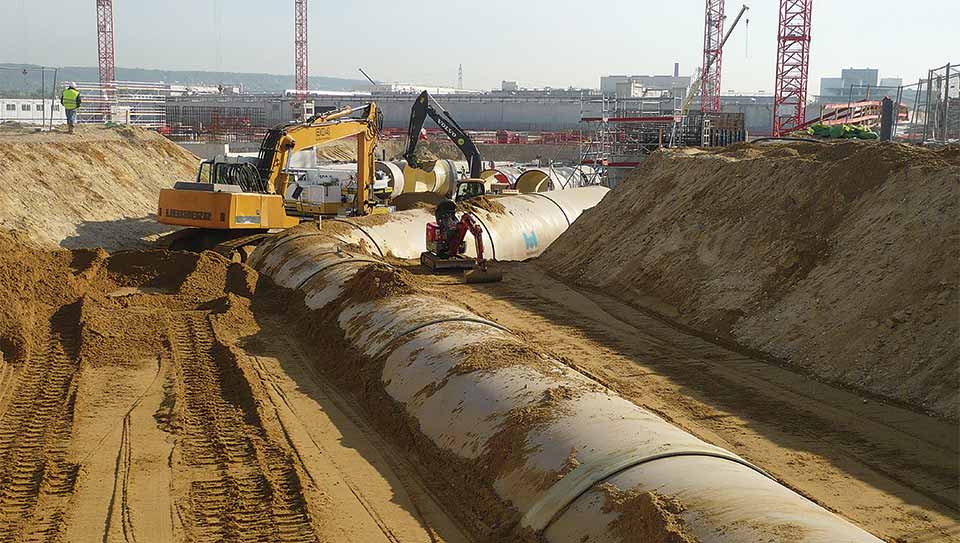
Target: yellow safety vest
(70,98)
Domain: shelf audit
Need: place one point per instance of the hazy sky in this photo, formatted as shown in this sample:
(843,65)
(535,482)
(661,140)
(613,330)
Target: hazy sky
(536,42)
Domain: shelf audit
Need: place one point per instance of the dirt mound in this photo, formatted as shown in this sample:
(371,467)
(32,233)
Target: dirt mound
(838,259)
(387,149)
(98,187)
(486,203)
(346,150)
(417,200)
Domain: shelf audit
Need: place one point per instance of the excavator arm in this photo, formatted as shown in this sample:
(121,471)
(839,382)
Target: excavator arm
(423,107)
(281,143)
(468,223)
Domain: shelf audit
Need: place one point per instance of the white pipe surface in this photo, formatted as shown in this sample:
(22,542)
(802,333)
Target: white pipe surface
(573,443)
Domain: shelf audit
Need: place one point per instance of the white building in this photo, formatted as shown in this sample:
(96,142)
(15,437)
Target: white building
(31,111)
(636,86)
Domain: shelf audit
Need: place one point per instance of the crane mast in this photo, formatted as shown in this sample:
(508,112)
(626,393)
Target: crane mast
(712,56)
(105,48)
(793,63)
(300,48)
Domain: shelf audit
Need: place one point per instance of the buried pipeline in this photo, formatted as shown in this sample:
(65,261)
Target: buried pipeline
(566,449)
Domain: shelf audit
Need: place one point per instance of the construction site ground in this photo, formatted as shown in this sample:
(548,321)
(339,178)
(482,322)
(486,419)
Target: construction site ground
(148,395)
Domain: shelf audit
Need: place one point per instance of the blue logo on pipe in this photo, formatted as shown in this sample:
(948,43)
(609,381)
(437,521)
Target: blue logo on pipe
(530,240)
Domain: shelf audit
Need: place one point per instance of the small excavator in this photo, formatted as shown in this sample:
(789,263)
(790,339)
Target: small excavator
(426,106)
(446,245)
(235,202)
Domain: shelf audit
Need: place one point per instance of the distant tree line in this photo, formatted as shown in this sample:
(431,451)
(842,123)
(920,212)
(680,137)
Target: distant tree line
(13,79)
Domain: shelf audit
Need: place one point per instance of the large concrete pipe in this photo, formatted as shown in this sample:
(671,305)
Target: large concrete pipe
(540,180)
(514,227)
(577,462)
(392,172)
(441,178)
(503,174)
(553,178)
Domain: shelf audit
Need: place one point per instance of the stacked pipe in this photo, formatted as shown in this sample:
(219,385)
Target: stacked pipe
(562,450)
(401,178)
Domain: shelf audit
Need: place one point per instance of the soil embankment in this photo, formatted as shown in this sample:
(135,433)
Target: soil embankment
(841,260)
(95,188)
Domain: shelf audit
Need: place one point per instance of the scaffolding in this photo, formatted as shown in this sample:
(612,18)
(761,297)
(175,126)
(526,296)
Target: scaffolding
(617,133)
(124,102)
(936,112)
(231,118)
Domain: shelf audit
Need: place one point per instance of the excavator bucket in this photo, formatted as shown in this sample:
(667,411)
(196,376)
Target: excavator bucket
(483,276)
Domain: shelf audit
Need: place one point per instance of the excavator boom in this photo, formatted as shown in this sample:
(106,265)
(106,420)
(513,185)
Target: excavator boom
(281,143)
(424,107)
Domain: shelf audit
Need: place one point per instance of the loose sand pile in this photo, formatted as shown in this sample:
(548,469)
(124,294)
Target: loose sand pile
(838,259)
(98,187)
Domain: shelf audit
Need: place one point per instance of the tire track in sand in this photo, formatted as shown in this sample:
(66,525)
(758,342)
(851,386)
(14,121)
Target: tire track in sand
(35,478)
(246,489)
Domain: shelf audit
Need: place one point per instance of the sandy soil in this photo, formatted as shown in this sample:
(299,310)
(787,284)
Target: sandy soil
(97,187)
(156,396)
(887,469)
(841,260)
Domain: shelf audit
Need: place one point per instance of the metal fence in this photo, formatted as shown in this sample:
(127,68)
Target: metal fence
(934,114)
(125,102)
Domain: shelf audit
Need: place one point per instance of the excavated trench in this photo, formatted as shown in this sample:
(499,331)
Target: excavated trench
(338,395)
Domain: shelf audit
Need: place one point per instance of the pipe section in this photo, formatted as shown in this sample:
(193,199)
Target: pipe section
(553,444)
(393,174)
(553,178)
(441,178)
(503,174)
(514,227)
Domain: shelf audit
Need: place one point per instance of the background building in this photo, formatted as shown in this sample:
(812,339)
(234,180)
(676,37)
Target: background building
(637,86)
(853,83)
(33,111)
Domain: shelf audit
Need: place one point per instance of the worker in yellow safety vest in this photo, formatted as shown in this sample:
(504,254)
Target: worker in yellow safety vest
(70,99)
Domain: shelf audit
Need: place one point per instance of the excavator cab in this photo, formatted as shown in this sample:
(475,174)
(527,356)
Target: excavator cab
(470,188)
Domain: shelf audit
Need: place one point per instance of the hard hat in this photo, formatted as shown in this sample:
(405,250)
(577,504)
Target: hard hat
(71,84)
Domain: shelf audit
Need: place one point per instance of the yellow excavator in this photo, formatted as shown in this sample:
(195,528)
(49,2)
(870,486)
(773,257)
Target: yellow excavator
(236,201)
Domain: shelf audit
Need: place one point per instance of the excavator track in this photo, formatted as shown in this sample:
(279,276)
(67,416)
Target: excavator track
(35,428)
(246,489)
(233,245)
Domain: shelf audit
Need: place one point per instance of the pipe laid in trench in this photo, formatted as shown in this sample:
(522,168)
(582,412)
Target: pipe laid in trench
(562,450)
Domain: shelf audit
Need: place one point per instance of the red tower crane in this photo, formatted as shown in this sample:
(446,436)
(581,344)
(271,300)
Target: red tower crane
(108,69)
(712,53)
(793,62)
(300,46)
